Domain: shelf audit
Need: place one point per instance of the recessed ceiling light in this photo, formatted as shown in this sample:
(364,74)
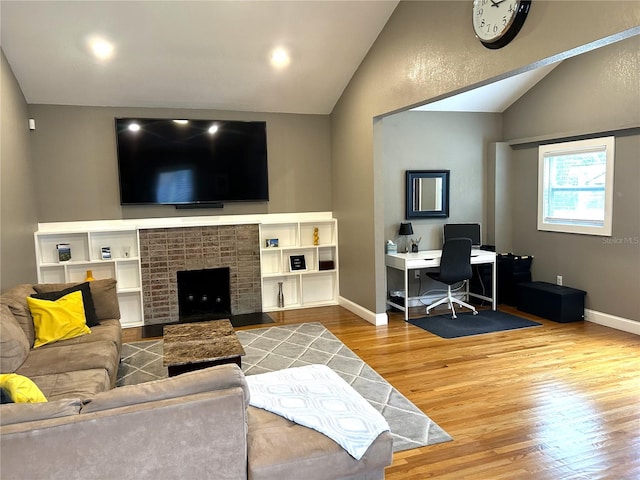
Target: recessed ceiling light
(213,129)
(181,122)
(134,127)
(280,58)
(101,48)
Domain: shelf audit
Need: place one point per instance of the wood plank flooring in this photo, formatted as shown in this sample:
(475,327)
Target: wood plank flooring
(560,401)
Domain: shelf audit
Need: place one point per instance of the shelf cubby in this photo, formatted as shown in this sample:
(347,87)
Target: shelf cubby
(123,244)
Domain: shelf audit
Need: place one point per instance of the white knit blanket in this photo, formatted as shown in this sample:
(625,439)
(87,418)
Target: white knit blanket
(317,397)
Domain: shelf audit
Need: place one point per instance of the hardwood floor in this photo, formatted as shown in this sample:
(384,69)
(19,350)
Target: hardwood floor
(560,401)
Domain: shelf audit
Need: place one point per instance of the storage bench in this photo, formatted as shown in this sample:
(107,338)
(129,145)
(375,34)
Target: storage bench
(554,302)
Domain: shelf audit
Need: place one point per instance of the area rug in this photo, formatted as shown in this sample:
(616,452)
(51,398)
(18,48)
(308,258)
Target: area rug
(467,324)
(275,348)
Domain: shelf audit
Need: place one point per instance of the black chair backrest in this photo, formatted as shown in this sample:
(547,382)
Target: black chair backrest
(455,264)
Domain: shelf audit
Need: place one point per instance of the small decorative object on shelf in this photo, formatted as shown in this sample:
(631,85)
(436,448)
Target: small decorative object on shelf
(297,262)
(391,247)
(126,252)
(316,236)
(106,253)
(271,242)
(280,296)
(64,252)
(89,276)
(326,265)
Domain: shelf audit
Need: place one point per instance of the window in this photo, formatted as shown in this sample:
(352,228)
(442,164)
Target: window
(575,186)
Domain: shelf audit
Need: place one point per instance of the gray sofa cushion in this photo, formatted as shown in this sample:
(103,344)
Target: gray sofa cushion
(14,345)
(16,300)
(71,358)
(81,384)
(205,380)
(103,293)
(106,330)
(30,412)
(279,449)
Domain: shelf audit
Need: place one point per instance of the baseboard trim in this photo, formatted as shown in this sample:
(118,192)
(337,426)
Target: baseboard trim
(612,321)
(605,319)
(376,319)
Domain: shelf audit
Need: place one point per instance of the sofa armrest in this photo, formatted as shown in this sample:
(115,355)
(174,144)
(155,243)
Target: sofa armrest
(208,379)
(197,436)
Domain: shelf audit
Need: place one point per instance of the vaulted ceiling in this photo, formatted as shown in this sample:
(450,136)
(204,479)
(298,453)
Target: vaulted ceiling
(190,54)
(205,54)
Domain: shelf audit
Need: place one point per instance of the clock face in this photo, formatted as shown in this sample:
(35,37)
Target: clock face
(497,22)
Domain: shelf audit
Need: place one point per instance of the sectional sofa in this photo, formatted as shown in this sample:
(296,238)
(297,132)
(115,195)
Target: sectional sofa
(195,425)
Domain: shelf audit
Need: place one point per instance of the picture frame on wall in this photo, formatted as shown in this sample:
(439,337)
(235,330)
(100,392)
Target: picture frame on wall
(297,263)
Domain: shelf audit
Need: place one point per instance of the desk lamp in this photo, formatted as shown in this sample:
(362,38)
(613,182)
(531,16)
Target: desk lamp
(405,230)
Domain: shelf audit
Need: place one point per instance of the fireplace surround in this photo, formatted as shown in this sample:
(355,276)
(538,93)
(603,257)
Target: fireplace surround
(165,251)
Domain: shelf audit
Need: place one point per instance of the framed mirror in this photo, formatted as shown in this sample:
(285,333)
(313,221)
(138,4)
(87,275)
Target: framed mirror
(427,193)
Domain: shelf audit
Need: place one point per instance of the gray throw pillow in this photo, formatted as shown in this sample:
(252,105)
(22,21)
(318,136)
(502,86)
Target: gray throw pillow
(103,292)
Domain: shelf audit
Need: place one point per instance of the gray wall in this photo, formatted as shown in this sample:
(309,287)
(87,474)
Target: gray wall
(427,50)
(437,141)
(74,152)
(498,230)
(595,92)
(17,195)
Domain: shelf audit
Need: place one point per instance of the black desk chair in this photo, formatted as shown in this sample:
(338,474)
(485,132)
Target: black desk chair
(455,267)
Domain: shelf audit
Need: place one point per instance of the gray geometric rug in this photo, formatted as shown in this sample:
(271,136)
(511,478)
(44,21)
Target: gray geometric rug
(275,348)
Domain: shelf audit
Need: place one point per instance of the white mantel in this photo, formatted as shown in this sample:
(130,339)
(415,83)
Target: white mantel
(169,222)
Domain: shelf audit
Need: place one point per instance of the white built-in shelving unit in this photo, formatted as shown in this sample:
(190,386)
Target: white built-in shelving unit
(317,285)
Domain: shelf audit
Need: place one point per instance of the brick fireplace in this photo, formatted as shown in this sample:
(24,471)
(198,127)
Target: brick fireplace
(165,251)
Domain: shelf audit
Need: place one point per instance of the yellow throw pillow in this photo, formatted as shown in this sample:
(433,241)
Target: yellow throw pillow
(21,389)
(58,320)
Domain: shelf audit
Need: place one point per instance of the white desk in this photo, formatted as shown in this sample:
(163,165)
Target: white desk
(431,259)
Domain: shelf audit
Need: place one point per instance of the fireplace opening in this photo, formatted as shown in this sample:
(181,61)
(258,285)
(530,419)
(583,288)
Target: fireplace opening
(203,294)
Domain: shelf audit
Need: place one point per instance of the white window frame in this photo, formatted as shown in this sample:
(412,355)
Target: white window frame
(606,144)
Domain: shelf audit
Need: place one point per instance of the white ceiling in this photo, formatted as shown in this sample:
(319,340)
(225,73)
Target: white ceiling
(495,97)
(207,54)
(190,54)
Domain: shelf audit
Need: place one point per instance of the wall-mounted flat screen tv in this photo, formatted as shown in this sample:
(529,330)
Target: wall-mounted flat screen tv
(191,162)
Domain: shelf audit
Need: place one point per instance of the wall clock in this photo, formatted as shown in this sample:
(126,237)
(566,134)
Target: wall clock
(497,22)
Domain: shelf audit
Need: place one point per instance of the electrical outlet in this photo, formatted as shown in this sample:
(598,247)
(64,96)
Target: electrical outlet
(416,274)
(559,280)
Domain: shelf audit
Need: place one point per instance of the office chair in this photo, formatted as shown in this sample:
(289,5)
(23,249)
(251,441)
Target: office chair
(455,267)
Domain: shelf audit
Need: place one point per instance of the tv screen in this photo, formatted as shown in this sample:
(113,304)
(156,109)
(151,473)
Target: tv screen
(189,162)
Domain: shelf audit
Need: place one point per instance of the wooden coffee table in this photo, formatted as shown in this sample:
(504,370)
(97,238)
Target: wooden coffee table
(192,346)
